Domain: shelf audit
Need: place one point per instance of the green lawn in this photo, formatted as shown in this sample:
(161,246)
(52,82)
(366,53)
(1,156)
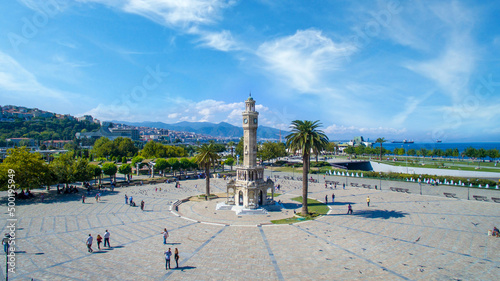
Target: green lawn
(315,208)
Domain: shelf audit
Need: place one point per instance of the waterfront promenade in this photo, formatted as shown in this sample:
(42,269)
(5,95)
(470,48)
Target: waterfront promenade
(399,237)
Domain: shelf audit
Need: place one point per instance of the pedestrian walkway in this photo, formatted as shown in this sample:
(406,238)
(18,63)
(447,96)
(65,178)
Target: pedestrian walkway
(399,237)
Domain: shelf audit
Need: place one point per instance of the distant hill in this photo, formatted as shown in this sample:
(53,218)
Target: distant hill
(222,129)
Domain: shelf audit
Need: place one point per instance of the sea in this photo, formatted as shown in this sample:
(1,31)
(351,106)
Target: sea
(462,146)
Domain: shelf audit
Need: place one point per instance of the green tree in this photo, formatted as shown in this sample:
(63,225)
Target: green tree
(30,171)
(422,152)
(360,149)
(331,147)
(109,169)
(470,152)
(161,165)
(493,153)
(124,147)
(381,141)
(83,170)
(185,164)
(481,153)
(230,162)
(125,169)
(306,137)
(103,147)
(64,168)
(97,172)
(349,150)
(174,165)
(412,152)
(231,146)
(239,149)
(206,157)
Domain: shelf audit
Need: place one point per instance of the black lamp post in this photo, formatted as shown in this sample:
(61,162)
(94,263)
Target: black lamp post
(420,183)
(380,179)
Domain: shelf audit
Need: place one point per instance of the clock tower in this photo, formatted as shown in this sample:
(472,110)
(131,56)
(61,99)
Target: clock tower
(250,189)
(250,124)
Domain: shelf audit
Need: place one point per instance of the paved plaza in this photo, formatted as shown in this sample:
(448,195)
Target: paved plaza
(399,236)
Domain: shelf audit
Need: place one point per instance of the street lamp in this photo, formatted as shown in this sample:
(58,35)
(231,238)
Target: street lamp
(380,178)
(420,183)
(468,188)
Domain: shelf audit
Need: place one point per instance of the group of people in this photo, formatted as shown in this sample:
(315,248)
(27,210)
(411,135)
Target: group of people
(23,194)
(99,238)
(333,198)
(168,253)
(495,232)
(67,190)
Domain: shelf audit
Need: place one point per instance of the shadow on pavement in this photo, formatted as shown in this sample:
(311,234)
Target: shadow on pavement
(380,214)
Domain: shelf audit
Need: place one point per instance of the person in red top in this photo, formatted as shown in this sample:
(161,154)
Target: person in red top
(99,240)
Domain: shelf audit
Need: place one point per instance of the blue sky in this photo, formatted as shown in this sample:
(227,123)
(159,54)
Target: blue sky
(421,70)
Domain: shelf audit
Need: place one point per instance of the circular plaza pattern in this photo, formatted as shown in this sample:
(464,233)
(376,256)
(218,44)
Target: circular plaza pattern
(399,236)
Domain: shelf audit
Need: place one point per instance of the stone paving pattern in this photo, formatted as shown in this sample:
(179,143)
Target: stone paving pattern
(400,236)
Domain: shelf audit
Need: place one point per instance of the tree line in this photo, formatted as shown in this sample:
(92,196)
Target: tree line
(470,152)
(44,128)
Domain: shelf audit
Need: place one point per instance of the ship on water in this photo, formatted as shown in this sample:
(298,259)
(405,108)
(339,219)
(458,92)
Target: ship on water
(403,141)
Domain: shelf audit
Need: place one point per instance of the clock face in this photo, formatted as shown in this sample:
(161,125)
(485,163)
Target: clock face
(245,120)
(255,120)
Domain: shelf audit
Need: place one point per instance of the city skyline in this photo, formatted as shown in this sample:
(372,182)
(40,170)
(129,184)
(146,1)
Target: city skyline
(422,71)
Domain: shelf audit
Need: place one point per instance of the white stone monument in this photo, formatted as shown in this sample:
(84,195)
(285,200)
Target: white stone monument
(250,188)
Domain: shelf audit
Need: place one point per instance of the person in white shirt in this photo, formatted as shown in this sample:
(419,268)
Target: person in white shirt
(165,236)
(90,239)
(167,259)
(106,238)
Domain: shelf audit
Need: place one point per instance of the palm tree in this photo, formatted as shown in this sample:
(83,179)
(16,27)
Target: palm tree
(205,158)
(381,141)
(306,138)
(231,145)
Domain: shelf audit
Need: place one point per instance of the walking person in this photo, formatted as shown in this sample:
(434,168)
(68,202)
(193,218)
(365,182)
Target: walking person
(326,199)
(5,242)
(90,239)
(99,241)
(343,185)
(165,236)
(83,199)
(368,201)
(176,257)
(167,259)
(333,198)
(106,238)
(142,205)
(126,199)
(349,209)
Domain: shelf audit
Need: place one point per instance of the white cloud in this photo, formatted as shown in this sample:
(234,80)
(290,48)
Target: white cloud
(353,130)
(451,71)
(15,78)
(172,13)
(303,58)
(186,16)
(222,41)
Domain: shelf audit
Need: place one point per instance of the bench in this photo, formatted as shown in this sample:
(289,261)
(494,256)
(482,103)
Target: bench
(450,195)
(480,198)
(495,199)
(405,190)
(393,188)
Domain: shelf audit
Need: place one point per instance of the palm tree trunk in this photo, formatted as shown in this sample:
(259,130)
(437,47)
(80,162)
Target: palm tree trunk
(305,171)
(207,180)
